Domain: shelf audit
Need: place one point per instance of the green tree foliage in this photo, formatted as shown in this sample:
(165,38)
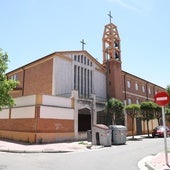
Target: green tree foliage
(167,114)
(147,111)
(114,108)
(133,111)
(5,85)
(168,91)
(158,113)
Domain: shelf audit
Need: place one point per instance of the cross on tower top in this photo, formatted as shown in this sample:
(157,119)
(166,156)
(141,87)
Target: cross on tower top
(110,16)
(83,43)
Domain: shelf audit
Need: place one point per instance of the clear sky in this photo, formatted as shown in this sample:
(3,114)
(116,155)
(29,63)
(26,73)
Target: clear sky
(31,29)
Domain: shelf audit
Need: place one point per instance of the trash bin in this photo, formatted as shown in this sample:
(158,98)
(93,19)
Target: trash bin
(119,134)
(89,135)
(101,135)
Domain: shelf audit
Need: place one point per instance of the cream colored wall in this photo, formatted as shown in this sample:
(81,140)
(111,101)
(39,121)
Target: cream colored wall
(25,100)
(4,114)
(23,112)
(56,113)
(56,101)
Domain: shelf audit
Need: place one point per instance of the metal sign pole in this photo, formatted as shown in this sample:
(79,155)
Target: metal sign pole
(165,141)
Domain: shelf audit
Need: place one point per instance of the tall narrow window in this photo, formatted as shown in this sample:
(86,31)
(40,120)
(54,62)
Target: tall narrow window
(91,85)
(75,76)
(88,82)
(129,101)
(137,101)
(128,84)
(136,86)
(81,58)
(143,88)
(81,80)
(78,83)
(149,90)
(85,81)
(75,57)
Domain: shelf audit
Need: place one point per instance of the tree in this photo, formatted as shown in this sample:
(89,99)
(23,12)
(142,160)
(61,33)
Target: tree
(133,111)
(147,111)
(6,85)
(114,108)
(168,91)
(167,114)
(158,113)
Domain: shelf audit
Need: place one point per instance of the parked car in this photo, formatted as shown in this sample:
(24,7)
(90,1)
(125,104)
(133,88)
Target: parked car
(159,131)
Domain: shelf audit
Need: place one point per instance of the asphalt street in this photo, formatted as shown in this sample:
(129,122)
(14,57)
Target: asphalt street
(117,157)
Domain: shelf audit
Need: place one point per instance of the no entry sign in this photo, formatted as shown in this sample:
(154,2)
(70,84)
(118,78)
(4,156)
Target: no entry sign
(162,98)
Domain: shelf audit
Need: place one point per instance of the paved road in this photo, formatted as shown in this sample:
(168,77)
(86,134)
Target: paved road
(119,157)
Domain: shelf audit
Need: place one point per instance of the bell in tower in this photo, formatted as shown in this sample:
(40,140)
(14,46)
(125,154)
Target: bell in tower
(111,42)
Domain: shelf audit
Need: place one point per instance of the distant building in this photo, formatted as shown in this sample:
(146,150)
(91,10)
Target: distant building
(60,96)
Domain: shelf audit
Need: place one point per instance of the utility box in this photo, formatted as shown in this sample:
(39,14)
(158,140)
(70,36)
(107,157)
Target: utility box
(119,134)
(101,135)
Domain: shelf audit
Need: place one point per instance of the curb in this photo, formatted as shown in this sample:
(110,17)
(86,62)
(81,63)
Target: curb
(143,163)
(33,151)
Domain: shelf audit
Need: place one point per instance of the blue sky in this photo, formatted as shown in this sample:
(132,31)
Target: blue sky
(31,29)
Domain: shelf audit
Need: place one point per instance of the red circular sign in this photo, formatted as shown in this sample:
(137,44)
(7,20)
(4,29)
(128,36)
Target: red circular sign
(161,98)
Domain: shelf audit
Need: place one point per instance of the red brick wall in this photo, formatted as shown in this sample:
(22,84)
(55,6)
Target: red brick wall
(34,79)
(38,79)
(115,79)
(138,94)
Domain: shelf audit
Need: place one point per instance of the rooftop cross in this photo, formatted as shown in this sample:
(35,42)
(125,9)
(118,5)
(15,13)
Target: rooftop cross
(110,16)
(83,43)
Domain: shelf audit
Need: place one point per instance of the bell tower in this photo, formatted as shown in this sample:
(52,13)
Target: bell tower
(112,61)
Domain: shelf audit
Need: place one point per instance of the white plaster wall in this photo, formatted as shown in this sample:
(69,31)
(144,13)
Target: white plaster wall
(99,84)
(4,114)
(62,81)
(56,113)
(56,101)
(25,100)
(23,112)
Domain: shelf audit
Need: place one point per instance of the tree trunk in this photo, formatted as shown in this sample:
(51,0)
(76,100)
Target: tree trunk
(148,127)
(132,128)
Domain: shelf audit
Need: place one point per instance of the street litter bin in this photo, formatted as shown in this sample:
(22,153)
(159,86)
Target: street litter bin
(119,134)
(89,135)
(101,135)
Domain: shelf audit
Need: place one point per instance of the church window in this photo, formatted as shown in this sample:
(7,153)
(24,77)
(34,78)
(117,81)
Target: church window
(91,64)
(78,83)
(84,81)
(78,58)
(91,82)
(81,80)
(88,82)
(84,59)
(81,58)
(75,57)
(75,77)
(88,62)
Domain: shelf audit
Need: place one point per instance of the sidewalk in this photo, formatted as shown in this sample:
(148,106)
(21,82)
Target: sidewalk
(6,146)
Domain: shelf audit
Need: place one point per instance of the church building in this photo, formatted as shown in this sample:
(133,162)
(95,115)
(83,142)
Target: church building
(61,95)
